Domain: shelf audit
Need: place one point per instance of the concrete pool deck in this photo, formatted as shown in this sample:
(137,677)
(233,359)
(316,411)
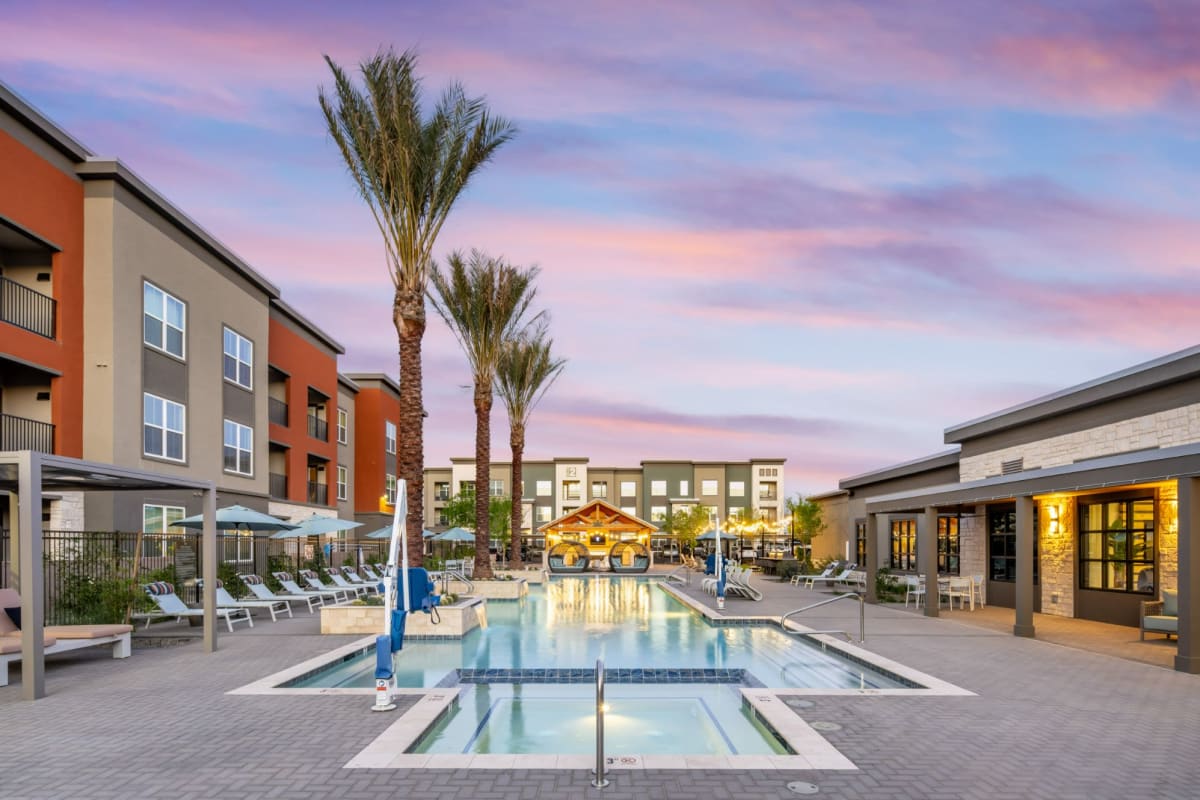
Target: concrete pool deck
(1047,720)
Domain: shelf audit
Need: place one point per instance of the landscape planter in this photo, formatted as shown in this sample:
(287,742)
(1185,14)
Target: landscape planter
(456,620)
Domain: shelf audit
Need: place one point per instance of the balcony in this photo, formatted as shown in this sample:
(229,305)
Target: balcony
(277,411)
(18,433)
(278,486)
(318,493)
(318,428)
(27,309)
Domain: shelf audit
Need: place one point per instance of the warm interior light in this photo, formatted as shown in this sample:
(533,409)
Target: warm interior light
(1052,513)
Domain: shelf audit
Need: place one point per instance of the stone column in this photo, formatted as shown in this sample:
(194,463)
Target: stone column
(871,554)
(927,558)
(1187,658)
(1024,587)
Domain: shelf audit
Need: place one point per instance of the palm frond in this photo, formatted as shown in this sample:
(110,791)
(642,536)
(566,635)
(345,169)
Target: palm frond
(526,370)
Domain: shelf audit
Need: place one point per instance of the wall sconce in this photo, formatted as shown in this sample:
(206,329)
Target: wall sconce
(1053,512)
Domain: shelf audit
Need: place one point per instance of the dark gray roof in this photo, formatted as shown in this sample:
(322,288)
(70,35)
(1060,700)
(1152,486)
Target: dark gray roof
(946,458)
(20,108)
(307,324)
(1142,466)
(1139,378)
(363,377)
(60,473)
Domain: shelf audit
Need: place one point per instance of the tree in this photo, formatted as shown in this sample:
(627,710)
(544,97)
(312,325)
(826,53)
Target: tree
(685,524)
(526,370)
(460,512)
(409,169)
(483,301)
(807,519)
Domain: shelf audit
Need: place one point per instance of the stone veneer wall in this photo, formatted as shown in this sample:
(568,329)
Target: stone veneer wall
(973,544)
(66,513)
(1167,544)
(1056,556)
(1163,429)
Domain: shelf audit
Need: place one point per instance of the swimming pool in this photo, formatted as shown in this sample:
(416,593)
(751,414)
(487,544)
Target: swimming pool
(630,623)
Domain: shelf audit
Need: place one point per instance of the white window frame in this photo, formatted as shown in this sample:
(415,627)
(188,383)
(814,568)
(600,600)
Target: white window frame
(735,511)
(343,426)
(236,357)
(169,514)
(737,488)
(708,488)
(628,488)
(658,488)
(545,488)
(630,510)
(545,513)
(684,488)
(343,478)
(658,513)
(568,494)
(389,437)
(242,435)
(496,488)
(161,318)
(389,488)
(766,489)
(603,493)
(164,405)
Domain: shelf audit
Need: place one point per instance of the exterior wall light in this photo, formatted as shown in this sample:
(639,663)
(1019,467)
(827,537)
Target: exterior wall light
(1053,513)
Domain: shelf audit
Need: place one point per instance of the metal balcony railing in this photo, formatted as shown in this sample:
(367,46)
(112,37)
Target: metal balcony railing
(318,493)
(18,433)
(278,487)
(277,411)
(318,428)
(28,309)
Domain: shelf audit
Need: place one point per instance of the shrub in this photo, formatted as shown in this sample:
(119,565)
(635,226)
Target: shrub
(886,586)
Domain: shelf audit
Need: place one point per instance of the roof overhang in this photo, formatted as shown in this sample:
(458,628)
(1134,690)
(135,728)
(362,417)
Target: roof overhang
(60,473)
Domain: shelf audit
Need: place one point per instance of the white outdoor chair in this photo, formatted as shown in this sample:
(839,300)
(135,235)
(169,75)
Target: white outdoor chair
(291,587)
(259,588)
(163,595)
(914,587)
(314,582)
(956,587)
(977,590)
(356,580)
(797,578)
(833,580)
(340,581)
(226,600)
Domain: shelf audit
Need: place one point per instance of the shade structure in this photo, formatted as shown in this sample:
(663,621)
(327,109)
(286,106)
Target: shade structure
(316,525)
(455,535)
(386,533)
(712,535)
(238,518)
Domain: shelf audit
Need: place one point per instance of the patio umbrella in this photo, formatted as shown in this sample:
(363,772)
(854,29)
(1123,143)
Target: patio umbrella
(386,533)
(455,536)
(316,525)
(712,535)
(237,518)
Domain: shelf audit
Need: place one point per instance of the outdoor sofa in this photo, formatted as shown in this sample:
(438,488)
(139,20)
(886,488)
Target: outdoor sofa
(58,638)
(1161,616)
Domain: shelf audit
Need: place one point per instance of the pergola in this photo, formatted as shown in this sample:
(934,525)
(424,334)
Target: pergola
(25,475)
(598,519)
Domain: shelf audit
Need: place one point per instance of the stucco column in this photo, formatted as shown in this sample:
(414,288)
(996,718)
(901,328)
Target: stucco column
(871,554)
(1187,658)
(14,543)
(33,577)
(1024,584)
(208,549)
(927,558)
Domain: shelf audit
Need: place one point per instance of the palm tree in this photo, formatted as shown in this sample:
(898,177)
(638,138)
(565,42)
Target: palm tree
(409,169)
(526,370)
(483,301)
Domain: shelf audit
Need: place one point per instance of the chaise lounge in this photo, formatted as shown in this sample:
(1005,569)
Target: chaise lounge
(58,638)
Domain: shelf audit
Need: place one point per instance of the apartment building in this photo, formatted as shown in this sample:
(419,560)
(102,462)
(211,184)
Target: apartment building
(651,491)
(376,427)
(344,431)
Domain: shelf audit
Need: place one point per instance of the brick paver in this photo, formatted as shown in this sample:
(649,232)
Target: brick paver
(1049,721)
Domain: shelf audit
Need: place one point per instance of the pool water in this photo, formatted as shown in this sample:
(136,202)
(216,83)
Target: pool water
(663,719)
(630,623)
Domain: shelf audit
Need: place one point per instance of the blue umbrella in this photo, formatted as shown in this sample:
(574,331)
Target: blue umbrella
(712,535)
(455,535)
(386,533)
(315,525)
(238,518)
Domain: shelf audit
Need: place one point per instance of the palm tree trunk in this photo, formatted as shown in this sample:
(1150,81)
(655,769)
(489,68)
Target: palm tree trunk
(517,441)
(408,315)
(483,459)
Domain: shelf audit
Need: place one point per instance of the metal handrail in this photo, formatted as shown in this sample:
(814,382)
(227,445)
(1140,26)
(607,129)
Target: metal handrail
(599,781)
(453,574)
(862,615)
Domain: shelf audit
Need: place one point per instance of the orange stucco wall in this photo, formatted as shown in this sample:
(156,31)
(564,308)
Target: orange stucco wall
(373,406)
(308,365)
(45,200)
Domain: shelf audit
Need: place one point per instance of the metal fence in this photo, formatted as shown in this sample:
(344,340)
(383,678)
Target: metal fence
(26,308)
(87,573)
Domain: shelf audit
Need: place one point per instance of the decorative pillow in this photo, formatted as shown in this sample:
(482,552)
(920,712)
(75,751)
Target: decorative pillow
(160,588)
(1170,603)
(308,573)
(252,580)
(200,583)
(283,576)
(14,614)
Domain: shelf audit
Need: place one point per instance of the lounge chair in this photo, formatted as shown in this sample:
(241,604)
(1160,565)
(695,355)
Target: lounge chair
(355,579)
(370,575)
(740,584)
(811,581)
(163,595)
(56,638)
(314,582)
(291,587)
(259,588)
(226,600)
(339,580)
(798,578)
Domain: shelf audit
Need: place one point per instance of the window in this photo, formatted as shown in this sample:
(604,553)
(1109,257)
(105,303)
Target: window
(162,428)
(708,488)
(1002,544)
(239,448)
(766,491)
(737,488)
(544,489)
(156,524)
(904,545)
(768,472)
(163,320)
(543,513)
(389,489)
(237,546)
(1116,546)
(571,490)
(466,487)
(658,513)
(496,488)
(947,542)
(630,510)
(658,488)
(628,488)
(599,489)
(343,477)
(238,362)
(442,518)
(735,512)
(343,426)
(684,488)
(768,514)
(860,544)
(389,437)
(441,490)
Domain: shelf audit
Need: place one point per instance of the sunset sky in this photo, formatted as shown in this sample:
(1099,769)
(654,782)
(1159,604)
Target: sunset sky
(820,231)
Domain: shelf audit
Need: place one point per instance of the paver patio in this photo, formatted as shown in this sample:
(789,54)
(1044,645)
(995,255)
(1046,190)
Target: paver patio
(1048,721)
